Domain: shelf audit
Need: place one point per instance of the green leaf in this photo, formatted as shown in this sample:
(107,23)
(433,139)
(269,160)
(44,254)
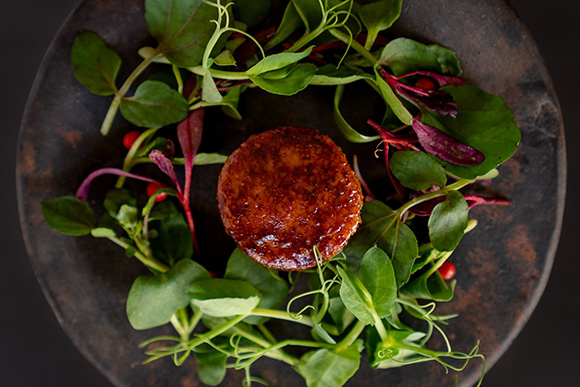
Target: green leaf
(225,58)
(429,286)
(209,158)
(341,316)
(128,216)
(251,12)
(348,131)
(229,104)
(209,90)
(272,288)
(329,75)
(320,334)
(154,104)
(173,241)
(103,232)
(277,61)
(378,17)
(298,13)
(311,13)
(378,277)
(425,258)
(68,215)
(212,367)
(95,64)
(224,297)
(153,300)
(391,354)
(355,296)
(485,122)
(382,226)
(393,101)
(116,198)
(448,222)
(290,22)
(182,28)
(330,368)
(404,55)
(417,170)
(286,81)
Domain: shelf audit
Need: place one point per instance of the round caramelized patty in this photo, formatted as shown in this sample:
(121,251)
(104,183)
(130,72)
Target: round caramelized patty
(284,191)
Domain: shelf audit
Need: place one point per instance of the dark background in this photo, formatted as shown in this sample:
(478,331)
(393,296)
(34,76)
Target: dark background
(34,351)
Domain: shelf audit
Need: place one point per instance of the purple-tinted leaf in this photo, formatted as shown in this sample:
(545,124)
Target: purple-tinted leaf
(166,166)
(83,190)
(442,80)
(189,133)
(446,147)
(437,101)
(400,142)
(474,200)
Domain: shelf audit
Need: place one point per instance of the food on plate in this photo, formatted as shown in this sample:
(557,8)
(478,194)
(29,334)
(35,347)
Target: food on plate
(285,191)
(288,197)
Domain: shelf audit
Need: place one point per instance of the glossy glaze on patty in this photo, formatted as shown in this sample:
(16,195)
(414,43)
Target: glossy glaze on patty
(284,191)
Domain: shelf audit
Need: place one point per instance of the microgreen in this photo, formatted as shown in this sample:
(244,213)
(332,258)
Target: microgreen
(95,64)
(439,134)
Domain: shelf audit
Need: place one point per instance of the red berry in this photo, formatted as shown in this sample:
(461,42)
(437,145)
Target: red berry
(447,270)
(130,137)
(426,83)
(152,188)
(213,275)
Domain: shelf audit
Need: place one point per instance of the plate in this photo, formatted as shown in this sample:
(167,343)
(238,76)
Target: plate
(503,265)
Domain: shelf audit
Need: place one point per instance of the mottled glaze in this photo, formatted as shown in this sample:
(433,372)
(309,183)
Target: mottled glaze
(285,191)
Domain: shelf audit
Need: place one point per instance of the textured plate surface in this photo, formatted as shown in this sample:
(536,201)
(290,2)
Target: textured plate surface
(502,266)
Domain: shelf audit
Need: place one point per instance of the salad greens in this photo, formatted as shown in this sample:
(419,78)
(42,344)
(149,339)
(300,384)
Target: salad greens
(439,134)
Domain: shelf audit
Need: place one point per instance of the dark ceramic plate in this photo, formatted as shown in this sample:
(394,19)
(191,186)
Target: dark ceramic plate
(502,266)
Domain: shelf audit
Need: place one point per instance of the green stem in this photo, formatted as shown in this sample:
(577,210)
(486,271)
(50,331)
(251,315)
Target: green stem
(432,195)
(438,263)
(147,261)
(277,354)
(220,74)
(266,333)
(352,335)
(306,38)
(147,160)
(195,319)
(112,112)
(179,328)
(178,79)
(303,343)
(380,327)
(215,332)
(354,44)
(281,315)
(130,159)
(282,344)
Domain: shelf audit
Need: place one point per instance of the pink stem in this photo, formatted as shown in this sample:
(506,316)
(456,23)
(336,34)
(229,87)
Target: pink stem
(83,190)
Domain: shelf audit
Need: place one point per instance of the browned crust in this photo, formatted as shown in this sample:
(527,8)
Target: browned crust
(284,191)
